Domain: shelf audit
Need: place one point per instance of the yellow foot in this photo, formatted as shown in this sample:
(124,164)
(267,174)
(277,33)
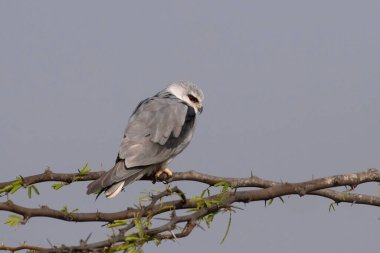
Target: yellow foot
(164,174)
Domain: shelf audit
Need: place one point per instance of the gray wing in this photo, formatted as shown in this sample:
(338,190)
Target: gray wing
(159,129)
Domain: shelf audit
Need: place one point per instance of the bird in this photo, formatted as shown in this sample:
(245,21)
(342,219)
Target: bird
(160,128)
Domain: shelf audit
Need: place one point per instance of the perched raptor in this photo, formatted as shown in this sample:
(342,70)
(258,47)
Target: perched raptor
(160,128)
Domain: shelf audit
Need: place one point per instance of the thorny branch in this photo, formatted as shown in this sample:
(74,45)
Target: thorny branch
(138,220)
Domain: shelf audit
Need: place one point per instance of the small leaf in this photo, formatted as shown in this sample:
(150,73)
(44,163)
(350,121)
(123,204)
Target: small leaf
(209,218)
(131,238)
(6,188)
(225,188)
(331,207)
(225,185)
(13,220)
(170,190)
(64,209)
(168,207)
(57,186)
(143,199)
(207,202)
(139,227)
(117,223)
(200,205)
(84,170)
(228,229)
(196,199)
(204,192)
(124,247)
(112,225)
(15,188)
(35,190)
(29,192)
(157,241)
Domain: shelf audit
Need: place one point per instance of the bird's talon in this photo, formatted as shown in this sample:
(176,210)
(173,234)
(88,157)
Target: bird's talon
(164,174)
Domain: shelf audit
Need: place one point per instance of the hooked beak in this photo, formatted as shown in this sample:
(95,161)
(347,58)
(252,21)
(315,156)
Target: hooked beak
(200,109)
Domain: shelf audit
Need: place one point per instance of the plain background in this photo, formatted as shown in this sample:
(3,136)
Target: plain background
(292,92)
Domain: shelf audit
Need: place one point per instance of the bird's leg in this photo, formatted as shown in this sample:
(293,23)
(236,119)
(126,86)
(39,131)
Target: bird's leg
(163,173)
(166,171)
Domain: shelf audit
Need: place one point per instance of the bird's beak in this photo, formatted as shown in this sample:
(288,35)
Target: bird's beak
(200,109)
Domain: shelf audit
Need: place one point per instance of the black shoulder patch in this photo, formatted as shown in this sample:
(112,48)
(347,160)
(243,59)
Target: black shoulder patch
(190,114)
(186,129)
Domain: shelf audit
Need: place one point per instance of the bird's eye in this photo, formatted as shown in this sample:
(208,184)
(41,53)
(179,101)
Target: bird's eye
(192,98)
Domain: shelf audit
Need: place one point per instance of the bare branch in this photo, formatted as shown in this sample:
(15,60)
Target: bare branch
(21,247)
(49,176)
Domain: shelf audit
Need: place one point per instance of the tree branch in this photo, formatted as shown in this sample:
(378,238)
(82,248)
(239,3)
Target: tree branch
(199,207)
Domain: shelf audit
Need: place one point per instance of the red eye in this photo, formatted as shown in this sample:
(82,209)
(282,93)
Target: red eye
(192,98)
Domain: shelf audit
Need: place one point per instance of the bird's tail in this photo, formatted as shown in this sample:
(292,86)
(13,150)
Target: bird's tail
(112,181)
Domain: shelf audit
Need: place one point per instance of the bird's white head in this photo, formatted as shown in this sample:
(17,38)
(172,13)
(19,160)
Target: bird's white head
(189,93)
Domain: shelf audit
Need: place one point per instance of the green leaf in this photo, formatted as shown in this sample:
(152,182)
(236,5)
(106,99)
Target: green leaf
(15,188)
(13,220)
(225,186)
(64,209)
(157,241)
(12,188)
(331,207)
(170,190)
(29,192)
(6,188)
(209,218)
(168,207)
(58,186)
(228,229)
(35,190)
(124,247)
(204,192)
(139,227)
(196,199)
(132,238)
(85,170)
(143,199)
(207,202)
(117,223)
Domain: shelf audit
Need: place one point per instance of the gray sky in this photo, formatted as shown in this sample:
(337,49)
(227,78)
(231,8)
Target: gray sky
(292,91)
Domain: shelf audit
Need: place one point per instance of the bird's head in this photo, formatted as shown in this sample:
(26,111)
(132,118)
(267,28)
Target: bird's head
(189,93)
